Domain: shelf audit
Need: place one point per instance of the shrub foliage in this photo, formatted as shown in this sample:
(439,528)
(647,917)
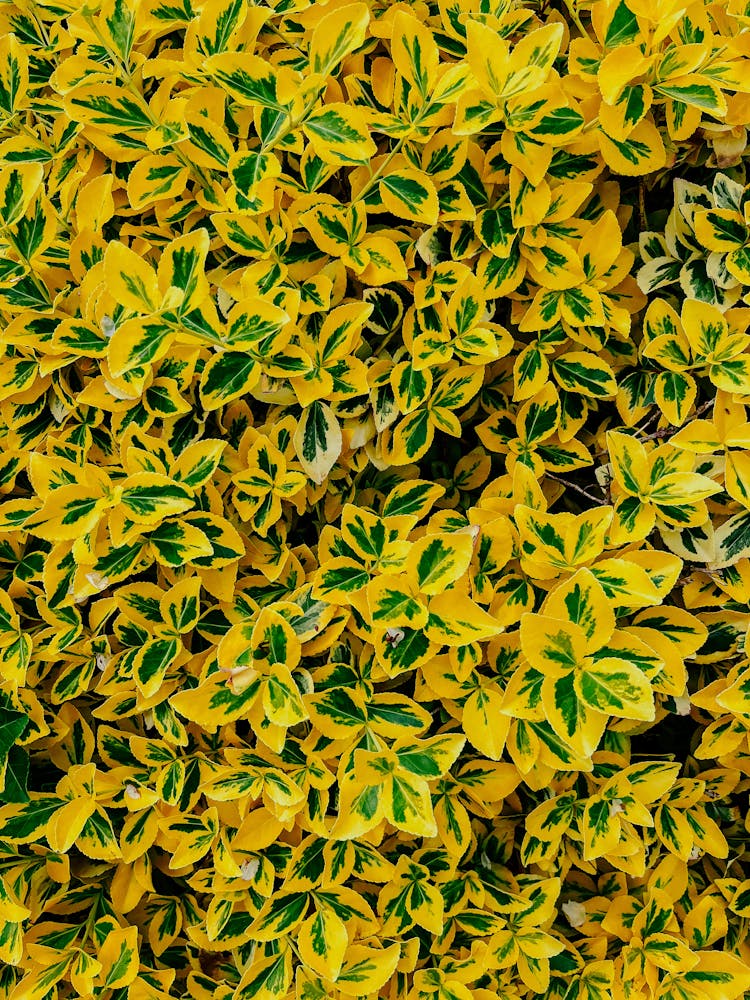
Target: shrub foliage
(375,515)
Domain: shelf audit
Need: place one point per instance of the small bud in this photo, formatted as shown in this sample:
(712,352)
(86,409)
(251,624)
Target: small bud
(682,704)
(615,807)
(131,792)
(97,581)
(225,302)
(394,636)
(575,913)
(249,869)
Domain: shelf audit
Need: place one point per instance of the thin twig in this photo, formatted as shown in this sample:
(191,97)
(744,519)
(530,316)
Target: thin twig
(575,18)
(666,431)
(577,488)
(641,205)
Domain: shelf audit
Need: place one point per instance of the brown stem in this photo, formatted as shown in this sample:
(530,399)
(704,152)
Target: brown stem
(578,489)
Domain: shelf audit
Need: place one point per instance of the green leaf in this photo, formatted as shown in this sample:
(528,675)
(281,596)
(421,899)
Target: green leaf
(618,688)
(414,498)
(148,497)
(622,28)
(585,373)
(21,824)
(318,440)
(698,93)
(120,21)
(410,194)
(337,35)
(16,776)
(226,377)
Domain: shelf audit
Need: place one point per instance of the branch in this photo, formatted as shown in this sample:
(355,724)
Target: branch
(578,489)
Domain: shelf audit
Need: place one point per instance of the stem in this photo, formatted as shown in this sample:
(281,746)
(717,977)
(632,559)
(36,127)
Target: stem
(38,283)
(578,489)
(394,152)
(666,431)
(32,8)
(379,172)
(641,205)
(576,18)
(293,123)
(24,129)
(388,338)
(130,83)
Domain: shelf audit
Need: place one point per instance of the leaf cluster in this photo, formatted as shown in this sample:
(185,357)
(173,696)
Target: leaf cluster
(374,500)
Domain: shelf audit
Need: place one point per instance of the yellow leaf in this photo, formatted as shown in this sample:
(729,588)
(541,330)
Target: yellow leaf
(130,280)
(410,194)
(336,35)
(322,941)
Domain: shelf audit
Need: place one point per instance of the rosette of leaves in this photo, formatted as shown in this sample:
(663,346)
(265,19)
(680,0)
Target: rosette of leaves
(691,257)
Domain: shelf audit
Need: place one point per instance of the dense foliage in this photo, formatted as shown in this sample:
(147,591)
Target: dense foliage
(375,515)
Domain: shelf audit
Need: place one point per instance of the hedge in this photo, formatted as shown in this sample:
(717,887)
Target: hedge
(374,500)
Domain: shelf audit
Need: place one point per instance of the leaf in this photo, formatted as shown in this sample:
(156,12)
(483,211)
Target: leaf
(151,663)
(338,133)
(110,109)
(675,394)
(137,342)
(622,27)
(721,230)
(69,512)
(414,52)
(249,78)
(156,178)
(336,36)
(228,376)
(280,915)
(119,958)
(322,941)
(618,688)
(150,497)
(209,144)
(732,540)
(538,418)
(393,601)
(130,280)
(252,321)
(248,171)
(456,620)
(410,194)
(413,499)
(266,977)
(437,561)
(585,373)
(696,90)
(318,440)
(181,271)
(641,153)
(25,822)
(412,437)
(12,727)
(18,186)
(366,970)
(219,24)
(14,74)
(16,776)
(119,19)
